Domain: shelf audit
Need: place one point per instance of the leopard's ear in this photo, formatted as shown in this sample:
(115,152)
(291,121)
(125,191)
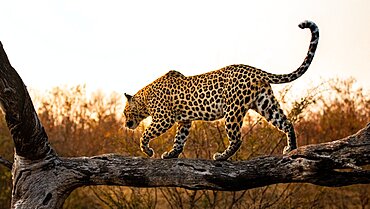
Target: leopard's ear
(128,97)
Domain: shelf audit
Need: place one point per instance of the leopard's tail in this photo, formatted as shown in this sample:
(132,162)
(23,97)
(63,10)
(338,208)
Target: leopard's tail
(285,78)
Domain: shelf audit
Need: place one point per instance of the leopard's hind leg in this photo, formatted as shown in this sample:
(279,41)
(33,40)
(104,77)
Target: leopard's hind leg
(267,106)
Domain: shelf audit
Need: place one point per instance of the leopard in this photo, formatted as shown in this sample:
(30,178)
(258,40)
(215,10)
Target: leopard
(226,93)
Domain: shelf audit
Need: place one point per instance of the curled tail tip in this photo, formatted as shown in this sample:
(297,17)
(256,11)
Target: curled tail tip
(307,24)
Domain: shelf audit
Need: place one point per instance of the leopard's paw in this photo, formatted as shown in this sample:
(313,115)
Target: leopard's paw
(219,156)
(148,151)
(168,155)
(286,150)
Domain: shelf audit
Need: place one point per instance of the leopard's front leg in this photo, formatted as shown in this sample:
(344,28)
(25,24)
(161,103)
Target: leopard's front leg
(233,133)
(155,129)
(182,133)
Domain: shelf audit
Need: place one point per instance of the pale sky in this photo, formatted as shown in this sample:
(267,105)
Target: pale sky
(123,45)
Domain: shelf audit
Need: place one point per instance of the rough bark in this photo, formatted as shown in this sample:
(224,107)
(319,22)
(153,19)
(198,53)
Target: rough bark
(42,179)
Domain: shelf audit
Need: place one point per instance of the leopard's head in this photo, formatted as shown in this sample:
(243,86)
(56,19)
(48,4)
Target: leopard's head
(133,112)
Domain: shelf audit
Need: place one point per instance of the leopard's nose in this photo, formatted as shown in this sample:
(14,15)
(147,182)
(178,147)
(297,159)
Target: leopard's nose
(129,124)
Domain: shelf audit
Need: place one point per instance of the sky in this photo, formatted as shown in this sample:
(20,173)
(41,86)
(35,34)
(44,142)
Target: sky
(124,45)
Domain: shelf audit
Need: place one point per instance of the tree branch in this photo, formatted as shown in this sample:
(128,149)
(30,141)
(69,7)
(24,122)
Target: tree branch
(331,164)
(29,136)
(6,163)
(41,179)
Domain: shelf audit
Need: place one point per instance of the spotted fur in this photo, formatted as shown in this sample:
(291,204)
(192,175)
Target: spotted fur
(225,93)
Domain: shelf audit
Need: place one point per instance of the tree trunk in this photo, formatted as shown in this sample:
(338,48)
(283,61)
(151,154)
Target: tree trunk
(42,179)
